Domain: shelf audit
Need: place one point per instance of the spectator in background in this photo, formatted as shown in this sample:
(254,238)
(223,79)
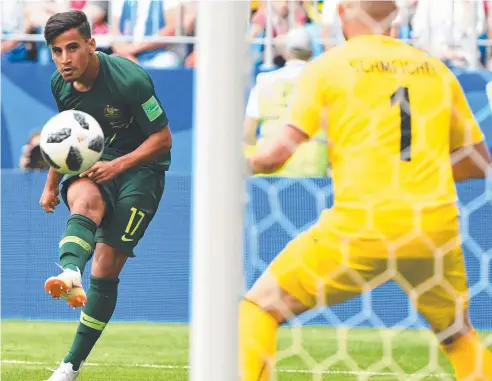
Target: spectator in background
(486,51)
(255,4)
(144,18)
(189,15)
(97,15)
(281,10)
(331,31)
(280,21)
(20,16)
(31,155)
(96,11)
(14,19)
(449,29)
(268,106)
(313,10)
(402,25)
(40,11)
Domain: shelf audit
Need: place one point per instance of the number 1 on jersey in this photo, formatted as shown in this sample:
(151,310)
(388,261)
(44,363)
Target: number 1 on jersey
(402,97)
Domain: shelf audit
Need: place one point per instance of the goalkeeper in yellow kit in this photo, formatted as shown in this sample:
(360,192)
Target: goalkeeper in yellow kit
(400,134)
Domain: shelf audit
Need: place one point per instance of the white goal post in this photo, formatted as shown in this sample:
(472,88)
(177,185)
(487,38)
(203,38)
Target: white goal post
(217,274)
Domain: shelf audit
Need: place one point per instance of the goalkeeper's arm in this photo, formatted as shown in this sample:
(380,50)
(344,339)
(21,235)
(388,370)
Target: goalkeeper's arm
(281,151)
(471,162)
(470,156)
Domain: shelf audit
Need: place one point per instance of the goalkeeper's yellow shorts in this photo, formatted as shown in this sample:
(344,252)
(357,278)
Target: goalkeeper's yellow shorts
(320,267)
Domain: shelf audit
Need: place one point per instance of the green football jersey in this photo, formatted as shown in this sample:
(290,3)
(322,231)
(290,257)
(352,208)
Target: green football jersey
(123,101)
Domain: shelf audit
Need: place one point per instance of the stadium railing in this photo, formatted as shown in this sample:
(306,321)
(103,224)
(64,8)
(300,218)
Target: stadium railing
(267,42)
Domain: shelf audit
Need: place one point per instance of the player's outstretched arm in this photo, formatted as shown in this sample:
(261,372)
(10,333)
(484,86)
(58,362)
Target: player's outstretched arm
(50,196)
(279,153)
(472,162)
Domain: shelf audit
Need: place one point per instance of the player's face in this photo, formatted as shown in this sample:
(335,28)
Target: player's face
(71,53)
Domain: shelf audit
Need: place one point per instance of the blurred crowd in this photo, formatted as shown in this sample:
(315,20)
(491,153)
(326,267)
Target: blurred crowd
(284,34)
(457,31)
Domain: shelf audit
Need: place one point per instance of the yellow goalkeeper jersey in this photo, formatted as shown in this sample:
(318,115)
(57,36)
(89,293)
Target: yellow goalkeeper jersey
(394,116)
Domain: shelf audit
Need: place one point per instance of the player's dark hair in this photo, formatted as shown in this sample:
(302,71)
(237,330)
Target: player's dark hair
(59,23)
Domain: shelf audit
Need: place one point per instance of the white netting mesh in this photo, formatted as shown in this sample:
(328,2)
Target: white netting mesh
(281,209)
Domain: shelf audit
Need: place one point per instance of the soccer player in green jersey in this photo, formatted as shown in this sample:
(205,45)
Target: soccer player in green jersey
(112,203)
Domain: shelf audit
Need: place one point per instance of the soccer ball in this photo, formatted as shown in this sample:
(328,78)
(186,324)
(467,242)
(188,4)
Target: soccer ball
(72,142)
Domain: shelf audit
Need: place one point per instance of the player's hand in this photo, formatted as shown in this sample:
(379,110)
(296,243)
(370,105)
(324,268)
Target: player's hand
(50,199)
(103,171)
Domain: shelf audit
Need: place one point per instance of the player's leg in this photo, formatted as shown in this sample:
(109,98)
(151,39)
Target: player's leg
(87,207)
(310,271)
(101,302)
(136,203)
(274,298)
(442,298)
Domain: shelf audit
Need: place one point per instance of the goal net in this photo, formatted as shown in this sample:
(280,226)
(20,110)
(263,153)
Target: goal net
(376,336)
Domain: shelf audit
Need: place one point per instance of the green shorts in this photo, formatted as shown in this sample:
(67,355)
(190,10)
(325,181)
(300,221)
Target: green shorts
(132,199)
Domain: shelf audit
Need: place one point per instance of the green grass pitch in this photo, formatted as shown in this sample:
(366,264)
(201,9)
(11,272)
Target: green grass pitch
(151,352)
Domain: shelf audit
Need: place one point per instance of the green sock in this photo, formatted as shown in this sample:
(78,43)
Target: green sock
(77,243)
(101,302)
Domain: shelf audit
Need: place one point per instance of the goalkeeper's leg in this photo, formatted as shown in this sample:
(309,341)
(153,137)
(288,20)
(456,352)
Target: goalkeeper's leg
(471,360)
(305,274)
(274,298)
(444,303)
(264,308)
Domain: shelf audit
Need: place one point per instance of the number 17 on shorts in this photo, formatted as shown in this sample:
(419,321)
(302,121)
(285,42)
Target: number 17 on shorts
(134,222)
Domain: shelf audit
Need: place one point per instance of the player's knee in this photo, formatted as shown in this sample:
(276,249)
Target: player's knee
(266,307)
(91,206)
(108,262)
(277,302)
(85,198)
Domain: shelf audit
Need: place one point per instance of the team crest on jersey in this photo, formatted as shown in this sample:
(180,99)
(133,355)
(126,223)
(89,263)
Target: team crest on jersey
(111,112)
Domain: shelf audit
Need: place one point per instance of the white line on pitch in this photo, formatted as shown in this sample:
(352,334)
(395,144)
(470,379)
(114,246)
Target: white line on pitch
(280,370)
